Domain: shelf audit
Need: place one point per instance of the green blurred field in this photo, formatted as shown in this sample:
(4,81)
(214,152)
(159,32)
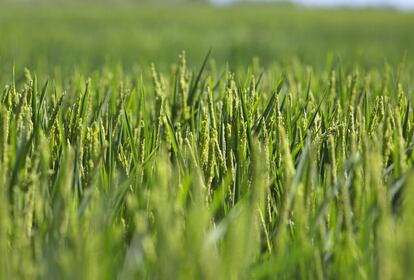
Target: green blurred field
(286,154)
(48,36)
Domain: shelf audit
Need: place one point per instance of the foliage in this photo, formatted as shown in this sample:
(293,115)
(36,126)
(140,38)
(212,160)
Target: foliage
(194,174)
(55,39)
(290,165)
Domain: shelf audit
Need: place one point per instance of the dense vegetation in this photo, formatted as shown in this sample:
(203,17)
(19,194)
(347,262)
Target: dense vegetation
(54,38)
(282,169)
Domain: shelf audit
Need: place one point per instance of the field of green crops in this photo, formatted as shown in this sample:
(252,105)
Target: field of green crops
(194,142)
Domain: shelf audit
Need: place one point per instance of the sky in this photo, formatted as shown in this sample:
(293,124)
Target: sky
(403,4)
(400,4)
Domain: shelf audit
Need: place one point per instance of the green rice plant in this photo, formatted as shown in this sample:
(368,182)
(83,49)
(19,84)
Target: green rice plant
(260,173)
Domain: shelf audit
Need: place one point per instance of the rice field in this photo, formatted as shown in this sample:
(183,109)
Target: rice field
(200,169)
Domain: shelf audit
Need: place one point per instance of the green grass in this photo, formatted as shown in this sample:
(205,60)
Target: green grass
(279,169)
(49,37)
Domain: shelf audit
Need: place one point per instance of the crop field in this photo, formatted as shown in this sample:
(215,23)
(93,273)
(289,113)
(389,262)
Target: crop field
(200,142)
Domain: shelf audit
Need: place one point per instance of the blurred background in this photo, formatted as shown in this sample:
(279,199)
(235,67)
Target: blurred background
(399,4)
(45,35)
